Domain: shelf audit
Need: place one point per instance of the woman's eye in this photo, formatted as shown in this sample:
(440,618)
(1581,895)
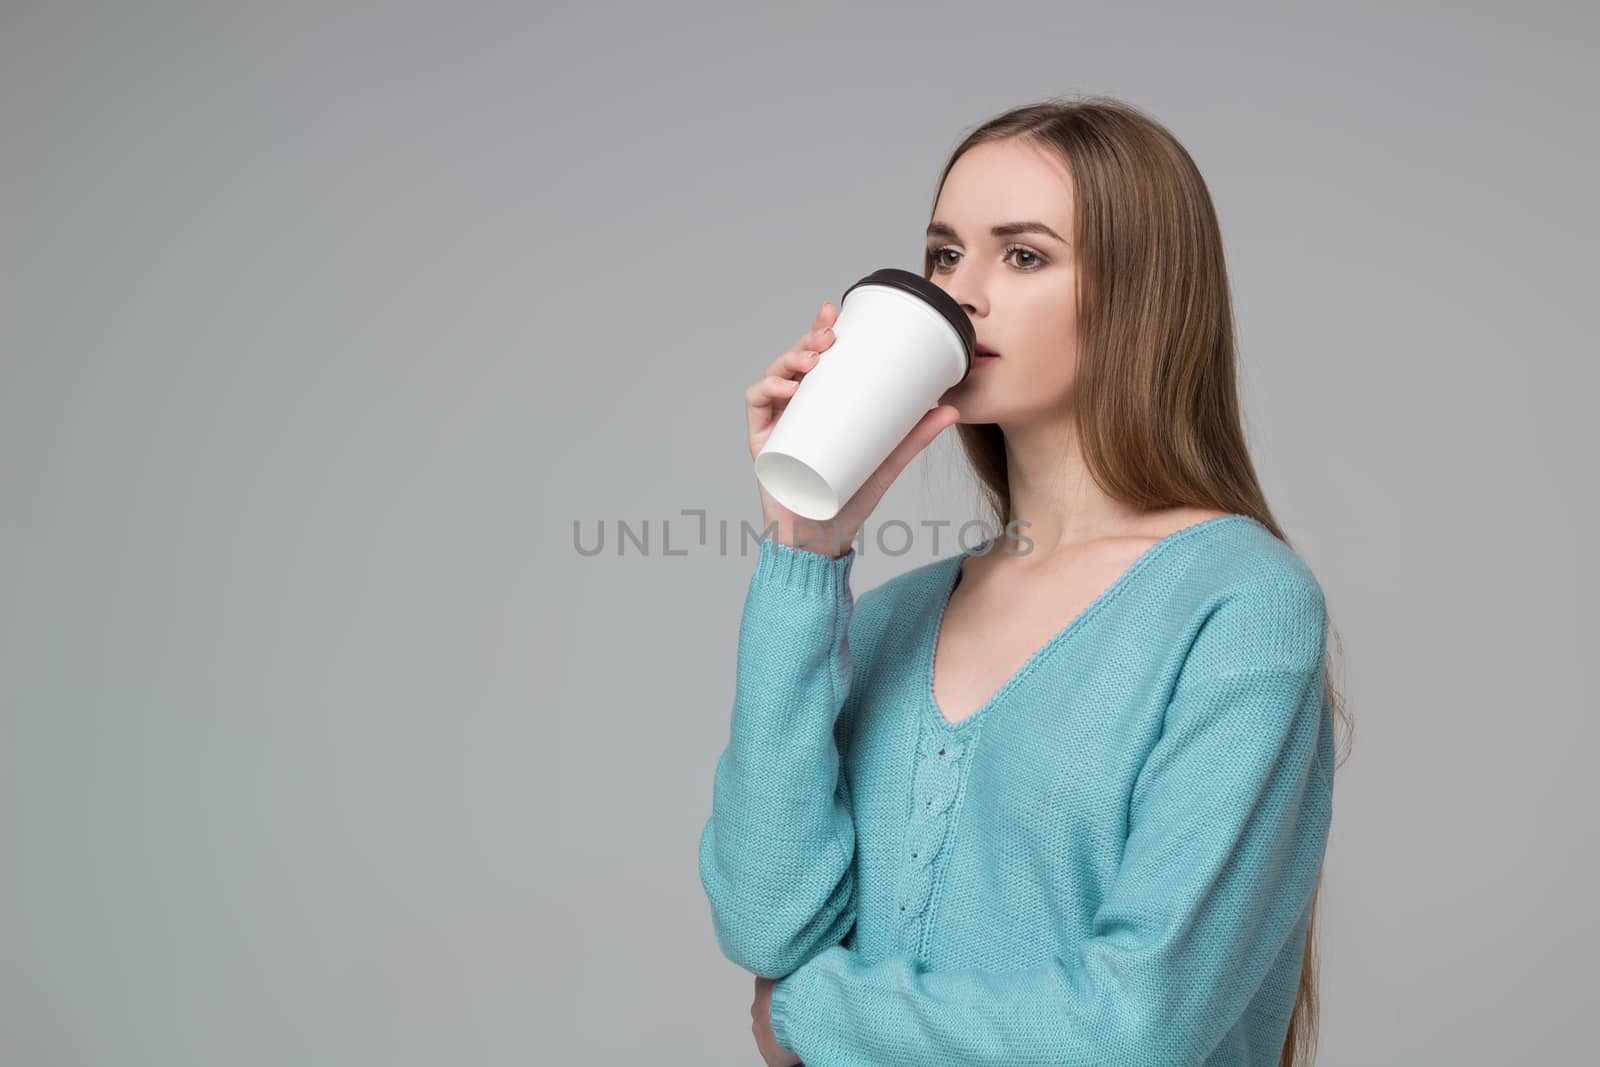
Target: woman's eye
(1032,263)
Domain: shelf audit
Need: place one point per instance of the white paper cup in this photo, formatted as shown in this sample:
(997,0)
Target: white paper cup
(899,343)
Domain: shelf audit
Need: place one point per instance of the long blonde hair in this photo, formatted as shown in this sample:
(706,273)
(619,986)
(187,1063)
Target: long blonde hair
(1155,395)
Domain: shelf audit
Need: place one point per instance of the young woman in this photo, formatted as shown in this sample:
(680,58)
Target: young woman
(1063,797)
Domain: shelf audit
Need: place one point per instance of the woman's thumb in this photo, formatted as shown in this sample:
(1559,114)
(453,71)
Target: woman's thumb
(935,422)
(921,436)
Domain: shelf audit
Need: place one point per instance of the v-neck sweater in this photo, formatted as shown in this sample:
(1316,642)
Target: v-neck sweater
(1110,862)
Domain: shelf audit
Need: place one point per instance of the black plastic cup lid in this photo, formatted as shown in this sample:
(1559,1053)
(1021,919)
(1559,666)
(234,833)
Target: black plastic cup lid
(936,298)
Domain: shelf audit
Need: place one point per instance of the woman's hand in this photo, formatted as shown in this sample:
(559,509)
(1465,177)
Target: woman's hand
(773,1053)
(764,403)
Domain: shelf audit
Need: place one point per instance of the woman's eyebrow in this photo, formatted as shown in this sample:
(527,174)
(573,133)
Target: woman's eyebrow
(1005,229)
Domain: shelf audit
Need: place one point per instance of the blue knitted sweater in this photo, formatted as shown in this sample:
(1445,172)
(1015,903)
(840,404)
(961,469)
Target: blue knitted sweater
(1110,862)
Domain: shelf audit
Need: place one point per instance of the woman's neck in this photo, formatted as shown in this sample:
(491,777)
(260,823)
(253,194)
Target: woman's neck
(1055,504)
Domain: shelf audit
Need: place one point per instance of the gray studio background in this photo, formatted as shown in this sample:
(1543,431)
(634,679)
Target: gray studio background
(321,326)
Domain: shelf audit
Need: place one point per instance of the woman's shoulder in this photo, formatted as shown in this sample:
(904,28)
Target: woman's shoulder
(1246,559)
(906,601)
(1254,600)
(912,588)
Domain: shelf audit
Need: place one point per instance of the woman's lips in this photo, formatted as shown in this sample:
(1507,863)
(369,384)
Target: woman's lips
(980,358)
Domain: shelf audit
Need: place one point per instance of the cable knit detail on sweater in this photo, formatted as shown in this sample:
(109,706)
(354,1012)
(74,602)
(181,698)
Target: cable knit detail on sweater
(1110,862)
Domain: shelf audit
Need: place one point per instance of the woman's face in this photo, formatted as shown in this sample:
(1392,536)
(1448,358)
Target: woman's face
(1018,288)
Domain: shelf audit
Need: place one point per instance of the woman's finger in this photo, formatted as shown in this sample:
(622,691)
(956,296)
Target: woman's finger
(769,389)
(801,357)
(763,402)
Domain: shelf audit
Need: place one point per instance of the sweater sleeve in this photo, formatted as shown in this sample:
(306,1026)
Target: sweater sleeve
(1228,821)
(777,854)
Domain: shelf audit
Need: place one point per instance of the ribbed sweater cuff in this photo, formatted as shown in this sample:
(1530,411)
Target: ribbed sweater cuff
(779,1015)
(802,570)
